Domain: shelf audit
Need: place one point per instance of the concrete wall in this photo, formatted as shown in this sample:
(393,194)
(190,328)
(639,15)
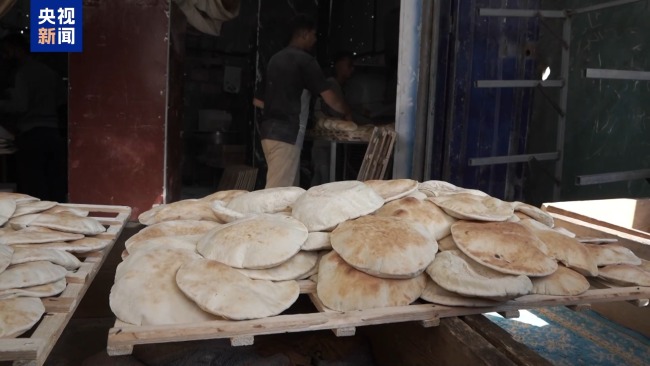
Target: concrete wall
(608,121)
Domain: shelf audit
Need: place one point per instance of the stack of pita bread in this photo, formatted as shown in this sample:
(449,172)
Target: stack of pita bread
(37,239)
(237,255)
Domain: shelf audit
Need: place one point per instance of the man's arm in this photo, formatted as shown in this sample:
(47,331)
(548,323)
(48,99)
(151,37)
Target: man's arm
(337,103)
(258,103)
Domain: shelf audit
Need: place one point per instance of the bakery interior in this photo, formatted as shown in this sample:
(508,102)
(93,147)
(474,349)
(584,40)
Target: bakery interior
(492,189)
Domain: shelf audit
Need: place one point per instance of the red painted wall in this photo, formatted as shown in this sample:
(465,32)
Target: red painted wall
(117,104)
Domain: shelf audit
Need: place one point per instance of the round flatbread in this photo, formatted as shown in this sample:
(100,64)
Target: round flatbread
(295,268)
(323,207)
(506,247)
(84,245)
(7,209)
(387,247)
(534,213)
(35,253)
(563,282)
(564,249)
(419,195)
(259,242)
(226,215)
(270,200)
(437,188)
(457,273)
(64,222)
(317,240)
(625,275)
(447,243)
(180,242)
(342,288)
(224,196)
(146,292)
(172,228)
(466,206)
(645,265)
(608,254)
(19,315)
(17,197)
(31,274)
(32,207)
(67,209)
(191,209)
(393,189)
(36,235)
(6,253)
(46,290)
(224,291)
(434,293)
(424,212)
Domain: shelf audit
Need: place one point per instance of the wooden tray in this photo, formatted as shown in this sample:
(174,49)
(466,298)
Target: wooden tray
(34,350)
(123,337)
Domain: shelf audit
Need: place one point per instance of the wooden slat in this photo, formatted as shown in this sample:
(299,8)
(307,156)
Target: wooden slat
(307,286)
(35,349)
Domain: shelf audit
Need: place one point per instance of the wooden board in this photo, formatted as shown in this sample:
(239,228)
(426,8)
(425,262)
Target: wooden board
(33,350)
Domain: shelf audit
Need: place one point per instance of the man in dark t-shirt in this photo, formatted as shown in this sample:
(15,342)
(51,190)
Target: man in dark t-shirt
(289,72)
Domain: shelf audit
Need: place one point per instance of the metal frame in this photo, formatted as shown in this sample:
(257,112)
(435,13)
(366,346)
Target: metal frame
(585,180)
(563,83)
(617,74)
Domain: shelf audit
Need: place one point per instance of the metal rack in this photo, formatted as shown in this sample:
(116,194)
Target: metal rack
(562,83)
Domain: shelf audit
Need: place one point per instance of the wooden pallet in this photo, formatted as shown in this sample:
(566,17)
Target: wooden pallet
(34,350)
(123,337)
(378,154)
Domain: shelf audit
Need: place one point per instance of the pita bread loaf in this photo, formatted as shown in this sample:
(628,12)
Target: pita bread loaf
(342,288)
(270,200)
(514,218)
(46,290)
(17,197)
(35,254)
(435,294)
(386,247)
(625,275)
(259,242)
(146,292)
(564,231)
(534,213)
(221,290)
(67,209)
(84,245)
(179,242)
(19,315)
(447,243)
(36,235)
(32,207)
(419,195)
(192,209)
(323,207)
(564,282)
(65,222)
(457,273)
(466,206)
(607,254)
(317,240)
(224,196)
(31,274)
(506,247)
(437,188)
(7,209)
(564,249)
(6,253)
(424,212)
(393,189)
(172,228)
(226,215)
(645,265)
(295,268)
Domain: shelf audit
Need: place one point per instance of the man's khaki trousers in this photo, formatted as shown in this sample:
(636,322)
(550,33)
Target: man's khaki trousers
(283,161)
